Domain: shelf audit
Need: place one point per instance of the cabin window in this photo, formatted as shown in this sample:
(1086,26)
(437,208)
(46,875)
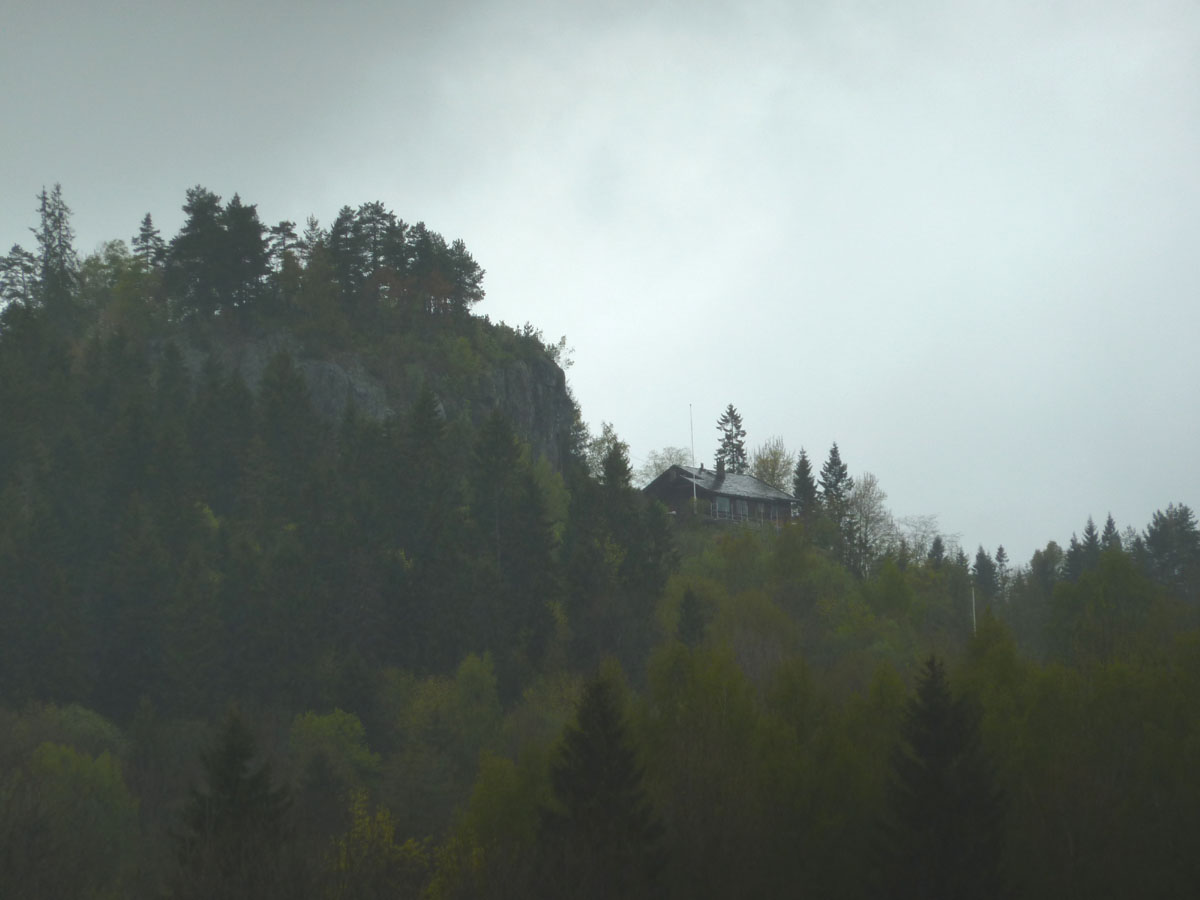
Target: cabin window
(722,507)
(743,509)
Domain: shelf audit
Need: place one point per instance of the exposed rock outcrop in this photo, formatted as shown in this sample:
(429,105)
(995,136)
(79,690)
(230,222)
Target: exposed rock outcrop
(531,393)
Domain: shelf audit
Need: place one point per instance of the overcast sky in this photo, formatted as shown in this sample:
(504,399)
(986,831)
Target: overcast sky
(960,239)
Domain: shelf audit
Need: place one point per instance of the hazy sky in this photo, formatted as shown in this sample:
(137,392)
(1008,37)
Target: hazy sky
(960,239)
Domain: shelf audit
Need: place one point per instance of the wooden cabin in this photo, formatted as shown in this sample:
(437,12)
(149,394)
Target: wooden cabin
(721,496)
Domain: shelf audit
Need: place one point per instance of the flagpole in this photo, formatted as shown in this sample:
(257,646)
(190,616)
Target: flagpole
(692,433)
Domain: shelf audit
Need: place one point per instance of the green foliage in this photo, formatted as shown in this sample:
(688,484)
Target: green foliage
(702,744)
(692,623)
(773,463)
(759,632)
(369,863)
(442,726)
(340,739)
(493,849)
(68,826)
(73,725)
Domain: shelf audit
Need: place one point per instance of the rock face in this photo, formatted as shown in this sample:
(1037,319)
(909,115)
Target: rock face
(534,397)
(531,393)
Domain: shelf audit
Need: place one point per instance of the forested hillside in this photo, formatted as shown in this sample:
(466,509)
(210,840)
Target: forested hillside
(258,644)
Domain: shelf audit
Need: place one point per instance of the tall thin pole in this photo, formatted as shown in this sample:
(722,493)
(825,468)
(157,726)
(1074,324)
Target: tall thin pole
(973,609)
(692,432)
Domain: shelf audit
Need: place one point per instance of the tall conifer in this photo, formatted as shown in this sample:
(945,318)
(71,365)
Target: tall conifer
(731,451)
(804,488)
(942,834)
(601,837)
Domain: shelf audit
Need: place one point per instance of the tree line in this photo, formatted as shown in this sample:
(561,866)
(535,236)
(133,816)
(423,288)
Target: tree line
(367,269)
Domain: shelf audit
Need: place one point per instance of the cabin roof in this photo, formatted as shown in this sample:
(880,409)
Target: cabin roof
(728,485)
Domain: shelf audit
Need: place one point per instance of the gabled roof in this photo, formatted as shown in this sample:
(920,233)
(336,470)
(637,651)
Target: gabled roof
(746,487)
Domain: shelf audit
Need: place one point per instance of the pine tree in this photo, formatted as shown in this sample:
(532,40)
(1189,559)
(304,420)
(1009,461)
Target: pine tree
(343,241)
(314,236)
(246,257)
(18,277)
(731,451)
(804,488)
(466,277)
(283,241)
(601,836)
(942,835)
(194,258)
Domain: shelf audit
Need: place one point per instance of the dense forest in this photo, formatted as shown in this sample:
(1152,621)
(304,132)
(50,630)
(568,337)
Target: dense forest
(250,651)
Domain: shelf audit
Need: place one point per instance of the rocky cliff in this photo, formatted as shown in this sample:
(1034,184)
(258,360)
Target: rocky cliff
(529,389)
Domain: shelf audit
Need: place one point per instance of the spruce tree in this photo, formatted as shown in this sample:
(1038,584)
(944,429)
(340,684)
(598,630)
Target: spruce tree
(1172,549)
(937,552)
(235,825)
(601,836)
(1091,546)
(804,488)
(731,451)
(836,483)
(984,572)
(836,486)
(1073,564)
(148,246)
(942,833)
(58,263)
(1110,539)
(616,472)
(1002,570)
